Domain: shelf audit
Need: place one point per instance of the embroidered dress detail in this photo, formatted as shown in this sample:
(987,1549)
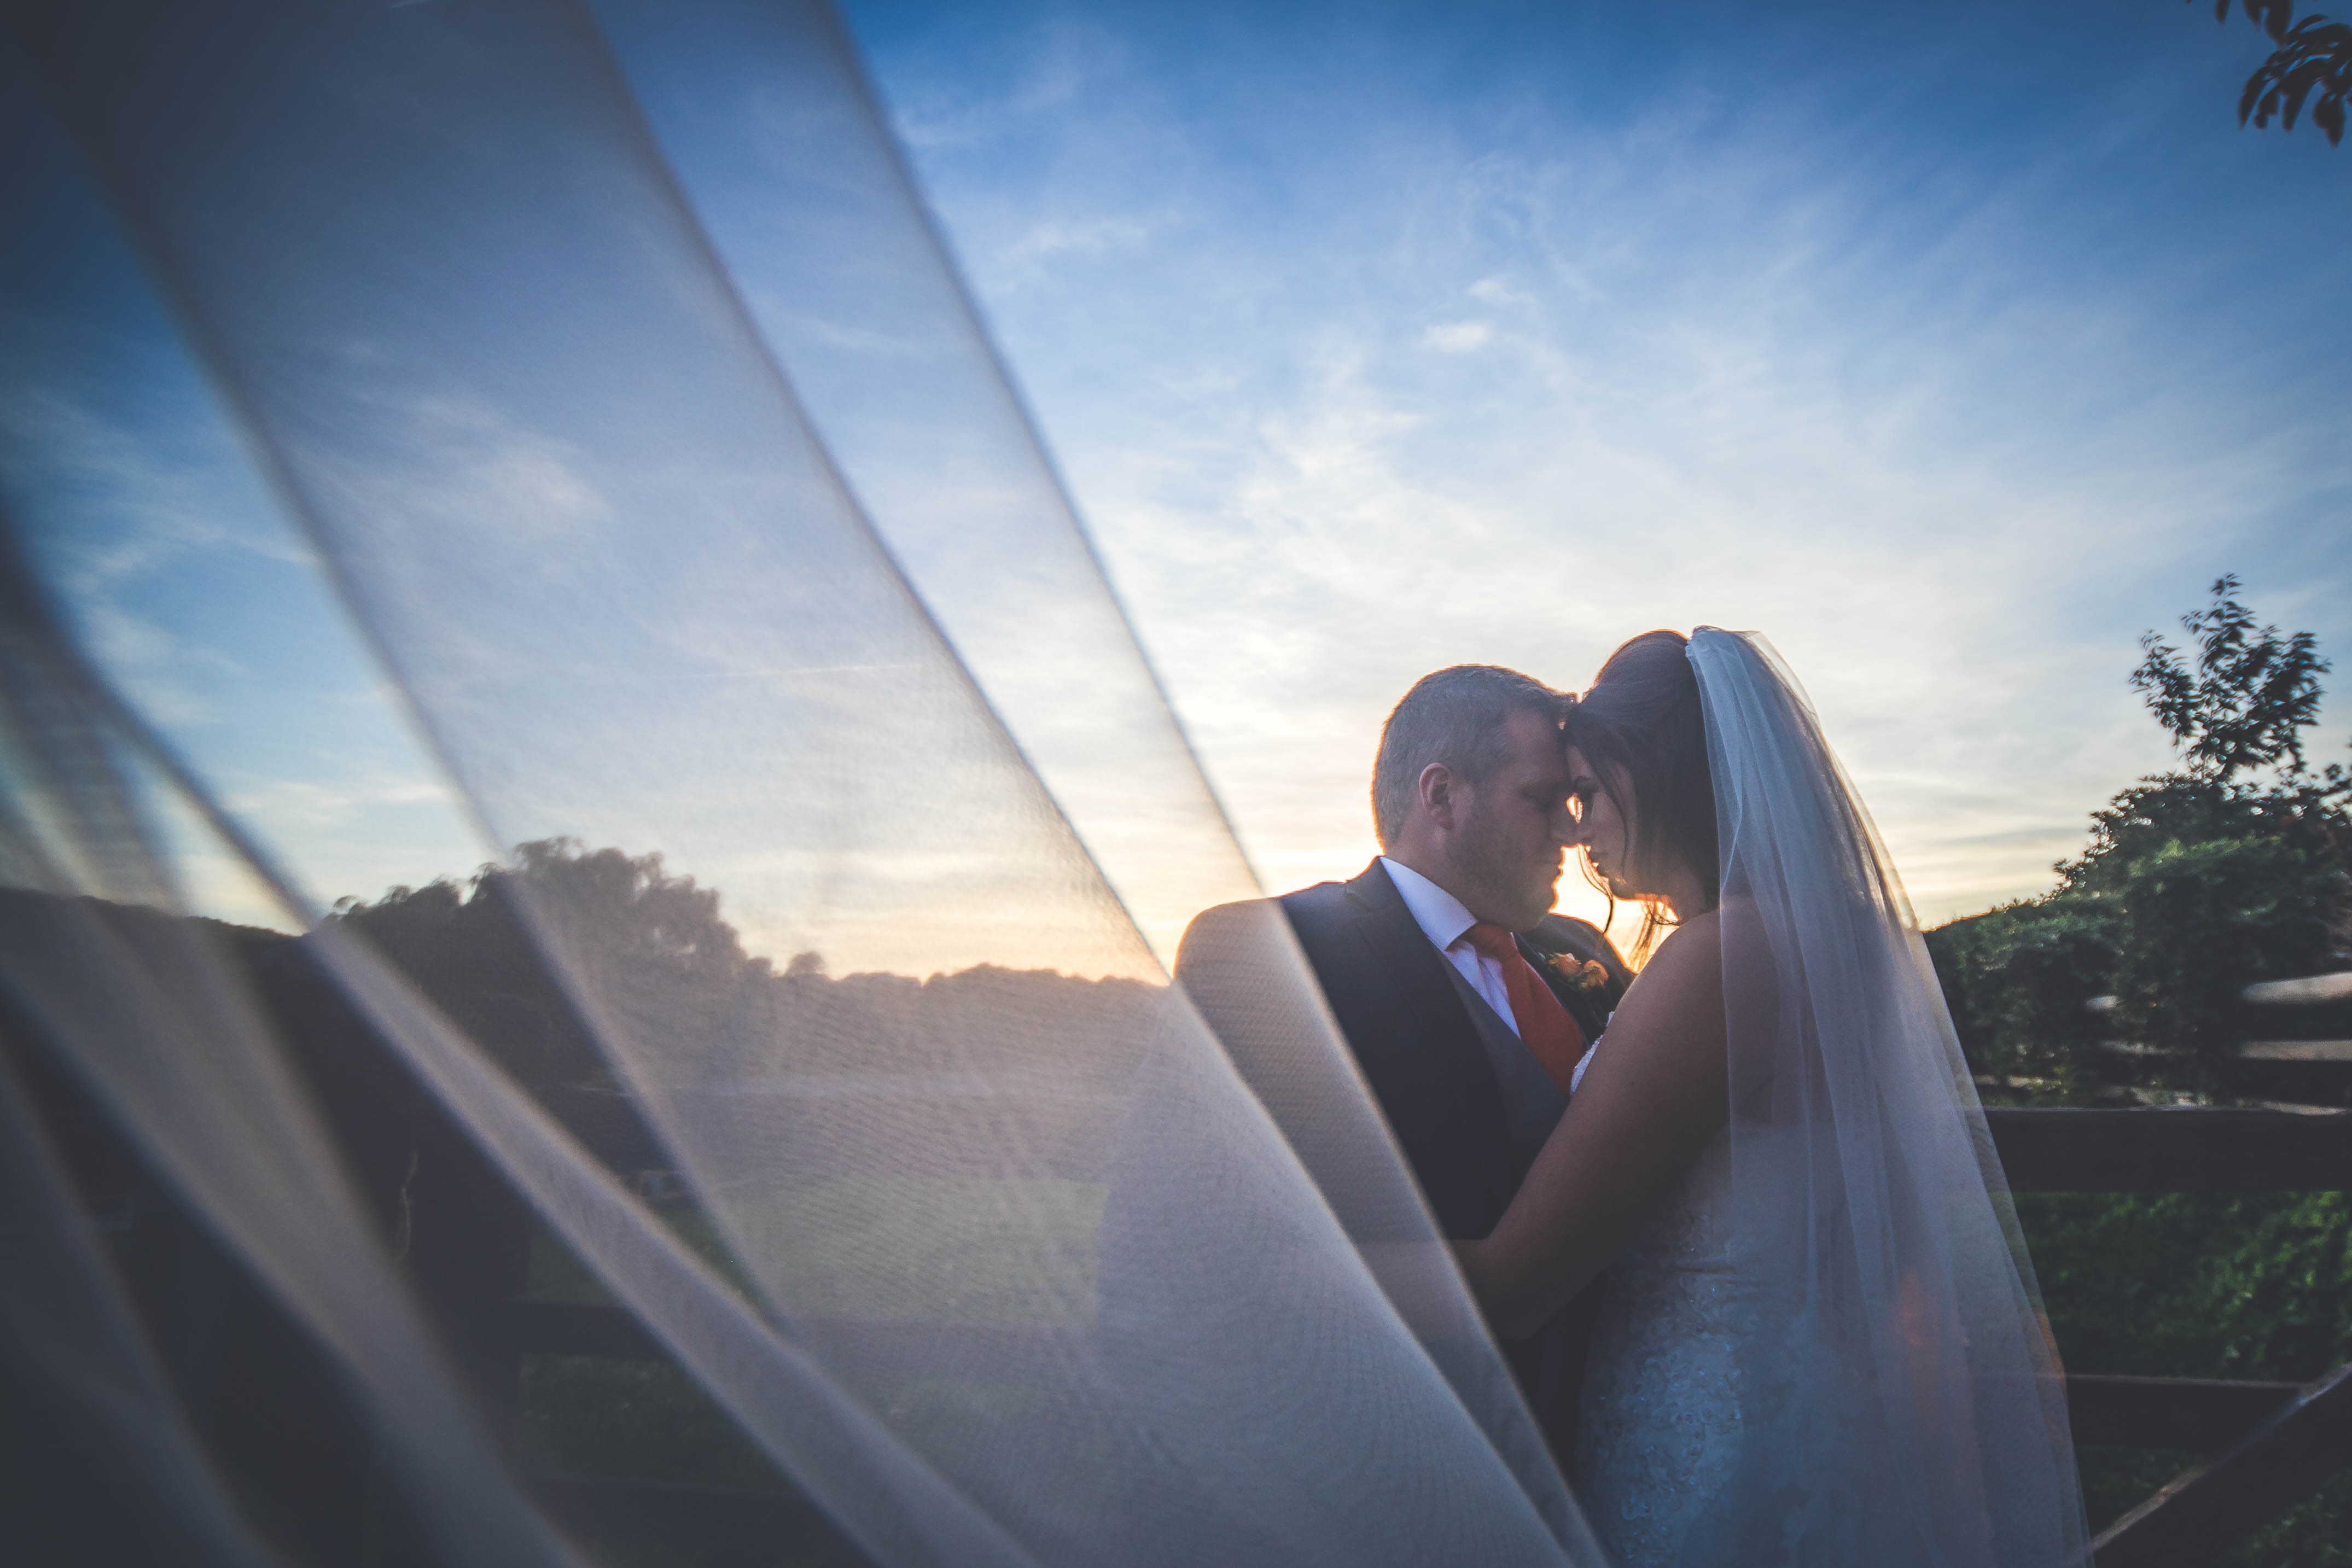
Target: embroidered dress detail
(1658,1430)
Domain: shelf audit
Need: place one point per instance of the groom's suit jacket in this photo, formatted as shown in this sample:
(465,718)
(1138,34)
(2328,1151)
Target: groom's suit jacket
(1409,1022)
(1415,1038)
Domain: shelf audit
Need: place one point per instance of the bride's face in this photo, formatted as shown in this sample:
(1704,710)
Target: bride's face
(1604,823)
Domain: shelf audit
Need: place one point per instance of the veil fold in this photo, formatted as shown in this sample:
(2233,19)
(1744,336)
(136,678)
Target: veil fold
(1004,1258)
(1902,1399)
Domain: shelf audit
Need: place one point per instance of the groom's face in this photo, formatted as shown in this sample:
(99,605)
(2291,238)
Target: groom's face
(1510,843)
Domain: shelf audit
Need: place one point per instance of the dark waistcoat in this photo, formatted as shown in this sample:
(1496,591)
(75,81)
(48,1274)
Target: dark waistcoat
(1415,1041)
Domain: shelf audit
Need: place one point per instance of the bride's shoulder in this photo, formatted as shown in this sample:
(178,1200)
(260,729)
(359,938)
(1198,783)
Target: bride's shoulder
(1703,940)
(1668,1033)
(1697,940)
(1685,973)
(1706,920)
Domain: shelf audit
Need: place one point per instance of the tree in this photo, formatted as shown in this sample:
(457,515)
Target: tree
(2236,709)
(478,950)
(2313,56)
(2249,698)
(2235,867)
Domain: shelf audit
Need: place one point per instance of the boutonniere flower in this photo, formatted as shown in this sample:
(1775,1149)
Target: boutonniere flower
(1586,975)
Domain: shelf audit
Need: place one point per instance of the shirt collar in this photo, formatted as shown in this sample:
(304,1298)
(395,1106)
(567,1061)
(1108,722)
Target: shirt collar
(1440,914)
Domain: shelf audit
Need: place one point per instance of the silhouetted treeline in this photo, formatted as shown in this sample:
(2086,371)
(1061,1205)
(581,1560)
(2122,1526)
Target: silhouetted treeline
(273,1416)
(653,949)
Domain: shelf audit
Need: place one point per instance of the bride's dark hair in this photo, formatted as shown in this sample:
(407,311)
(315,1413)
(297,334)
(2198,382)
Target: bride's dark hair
(1641,723)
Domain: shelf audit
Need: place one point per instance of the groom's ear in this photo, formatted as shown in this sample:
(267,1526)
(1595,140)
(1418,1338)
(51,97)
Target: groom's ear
(1440,789)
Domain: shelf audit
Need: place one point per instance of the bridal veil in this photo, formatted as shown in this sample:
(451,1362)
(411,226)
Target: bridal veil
(605,358)
(1901,1402)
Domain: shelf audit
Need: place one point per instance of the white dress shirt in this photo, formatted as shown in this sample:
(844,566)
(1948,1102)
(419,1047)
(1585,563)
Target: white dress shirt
(1447,925)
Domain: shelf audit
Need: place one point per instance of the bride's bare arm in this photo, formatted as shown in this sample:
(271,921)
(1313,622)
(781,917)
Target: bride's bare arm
(1654,1097)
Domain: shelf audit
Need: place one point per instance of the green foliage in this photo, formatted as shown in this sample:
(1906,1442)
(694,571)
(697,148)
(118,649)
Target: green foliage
(665,961)
(2182,809)
(2250,697)
(2201,1285)
(2201,920)
(2194,884)
(2196,1284)
(2316,56)
(2270,15)
(2238,706)
(476,950)
(2310,1535)
(2017,980)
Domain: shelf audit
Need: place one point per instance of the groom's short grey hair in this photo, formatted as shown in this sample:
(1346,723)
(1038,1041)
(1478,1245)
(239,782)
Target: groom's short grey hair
(1455,717)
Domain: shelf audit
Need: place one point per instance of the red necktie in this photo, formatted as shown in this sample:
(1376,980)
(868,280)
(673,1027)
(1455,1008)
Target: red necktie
(1550,1036)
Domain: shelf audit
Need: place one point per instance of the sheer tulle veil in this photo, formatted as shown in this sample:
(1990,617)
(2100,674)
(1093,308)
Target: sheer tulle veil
(1901,1396)
(606,359)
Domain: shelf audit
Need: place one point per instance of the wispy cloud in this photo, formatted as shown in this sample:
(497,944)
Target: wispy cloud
(1512,382)
(194,594)
(1458,337)
(160,509)
(947,110)
(1055,236)
(464,464)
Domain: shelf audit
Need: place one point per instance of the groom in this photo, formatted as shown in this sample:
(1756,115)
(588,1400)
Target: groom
(1442,960)
(1466,1002)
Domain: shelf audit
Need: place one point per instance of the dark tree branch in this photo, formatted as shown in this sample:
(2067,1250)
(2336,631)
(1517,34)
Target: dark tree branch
(2313,57)
(2270,15)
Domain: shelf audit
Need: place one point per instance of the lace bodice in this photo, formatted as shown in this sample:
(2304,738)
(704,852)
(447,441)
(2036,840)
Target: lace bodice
(1659,1427)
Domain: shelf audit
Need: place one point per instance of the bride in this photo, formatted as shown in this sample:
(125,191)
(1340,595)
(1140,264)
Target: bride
(1818,1339)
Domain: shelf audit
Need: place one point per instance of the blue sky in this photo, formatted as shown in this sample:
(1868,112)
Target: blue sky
(1950,347)
(143,508)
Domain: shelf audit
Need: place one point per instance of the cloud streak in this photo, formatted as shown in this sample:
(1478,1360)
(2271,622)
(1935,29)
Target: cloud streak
(1506,380)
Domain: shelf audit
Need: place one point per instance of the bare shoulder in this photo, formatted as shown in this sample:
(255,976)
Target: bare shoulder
(1701,931)
(1659,1076)
(1678,994)
(1690,958)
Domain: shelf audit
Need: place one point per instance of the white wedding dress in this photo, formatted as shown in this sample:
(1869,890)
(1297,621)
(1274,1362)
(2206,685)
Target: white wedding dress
(1660,1427)
(1657,1434)
(1823,1350)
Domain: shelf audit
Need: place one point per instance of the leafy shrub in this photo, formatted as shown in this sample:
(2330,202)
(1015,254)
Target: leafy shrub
(2017,980)
(2196,1284)
(2236,868)
(2200,922)
(2185,808)
(2201,1285)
